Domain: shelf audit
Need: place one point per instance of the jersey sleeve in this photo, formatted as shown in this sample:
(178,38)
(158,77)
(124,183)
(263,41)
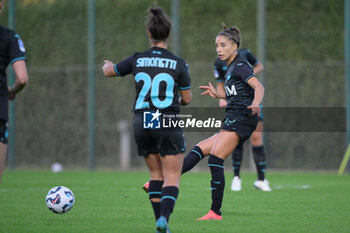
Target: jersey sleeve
(244,71)
(184,80)
(124,67)
(251,58)
(16,49)
(219,74)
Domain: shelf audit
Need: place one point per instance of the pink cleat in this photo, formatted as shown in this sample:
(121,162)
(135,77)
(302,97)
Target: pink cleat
(211,215)
(146,187)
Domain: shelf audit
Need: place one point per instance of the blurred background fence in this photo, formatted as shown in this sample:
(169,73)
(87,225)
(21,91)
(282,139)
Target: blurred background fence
(304,67)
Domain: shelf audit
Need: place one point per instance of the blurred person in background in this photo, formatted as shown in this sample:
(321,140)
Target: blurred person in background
(12,52)
(256,140)
(162,82)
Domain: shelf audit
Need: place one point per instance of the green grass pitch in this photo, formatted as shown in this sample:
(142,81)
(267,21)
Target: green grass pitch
(114,202)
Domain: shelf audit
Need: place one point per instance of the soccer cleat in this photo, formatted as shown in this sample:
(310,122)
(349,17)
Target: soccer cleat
(236,184)
(162,225)
(211,215)
(146,187)
(262,185)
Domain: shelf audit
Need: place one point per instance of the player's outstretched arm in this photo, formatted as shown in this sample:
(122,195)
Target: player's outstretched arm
(21,78)
(211,91)
(108,69)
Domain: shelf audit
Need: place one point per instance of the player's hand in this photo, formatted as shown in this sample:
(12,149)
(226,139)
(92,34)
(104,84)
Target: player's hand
(108,69)
(106,64)
(209,90)
(222,103)
(255,108)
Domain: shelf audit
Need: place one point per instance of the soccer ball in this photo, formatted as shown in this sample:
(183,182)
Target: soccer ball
(60,199)
(56,167)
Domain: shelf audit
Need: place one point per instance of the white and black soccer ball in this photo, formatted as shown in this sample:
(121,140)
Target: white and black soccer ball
(60,199)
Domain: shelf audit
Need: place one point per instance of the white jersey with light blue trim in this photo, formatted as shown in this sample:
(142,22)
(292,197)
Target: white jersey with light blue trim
(159,75)
(238,93)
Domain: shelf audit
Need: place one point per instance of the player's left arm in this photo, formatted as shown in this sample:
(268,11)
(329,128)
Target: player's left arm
(246,73)
(21,78)
(16,51)
(185,97)
(258,94)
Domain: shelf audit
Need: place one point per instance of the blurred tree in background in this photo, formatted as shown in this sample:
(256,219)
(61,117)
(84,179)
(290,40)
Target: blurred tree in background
(304,68)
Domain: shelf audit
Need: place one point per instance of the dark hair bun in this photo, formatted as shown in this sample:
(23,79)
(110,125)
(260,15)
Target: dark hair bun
(233,33)
(158,23)
(235,29)
(156,11)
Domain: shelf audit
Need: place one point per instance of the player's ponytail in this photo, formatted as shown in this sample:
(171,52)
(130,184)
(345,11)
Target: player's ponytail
(156,12)
(158,24)
(233,33)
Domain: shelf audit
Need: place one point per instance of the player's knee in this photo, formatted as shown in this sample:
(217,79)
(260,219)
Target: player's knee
(172,180)
(207,144)
(256,139)
(205,149)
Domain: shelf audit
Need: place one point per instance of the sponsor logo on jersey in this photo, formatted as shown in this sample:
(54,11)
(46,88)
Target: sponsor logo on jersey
(216,74)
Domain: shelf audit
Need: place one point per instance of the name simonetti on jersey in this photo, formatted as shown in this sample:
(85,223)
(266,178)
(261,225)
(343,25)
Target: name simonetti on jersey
(156,62)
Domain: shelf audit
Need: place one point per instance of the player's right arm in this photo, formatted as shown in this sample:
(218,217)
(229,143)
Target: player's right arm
(213,92)
(108,69)
(222,102)
(122,68)
(219,75)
